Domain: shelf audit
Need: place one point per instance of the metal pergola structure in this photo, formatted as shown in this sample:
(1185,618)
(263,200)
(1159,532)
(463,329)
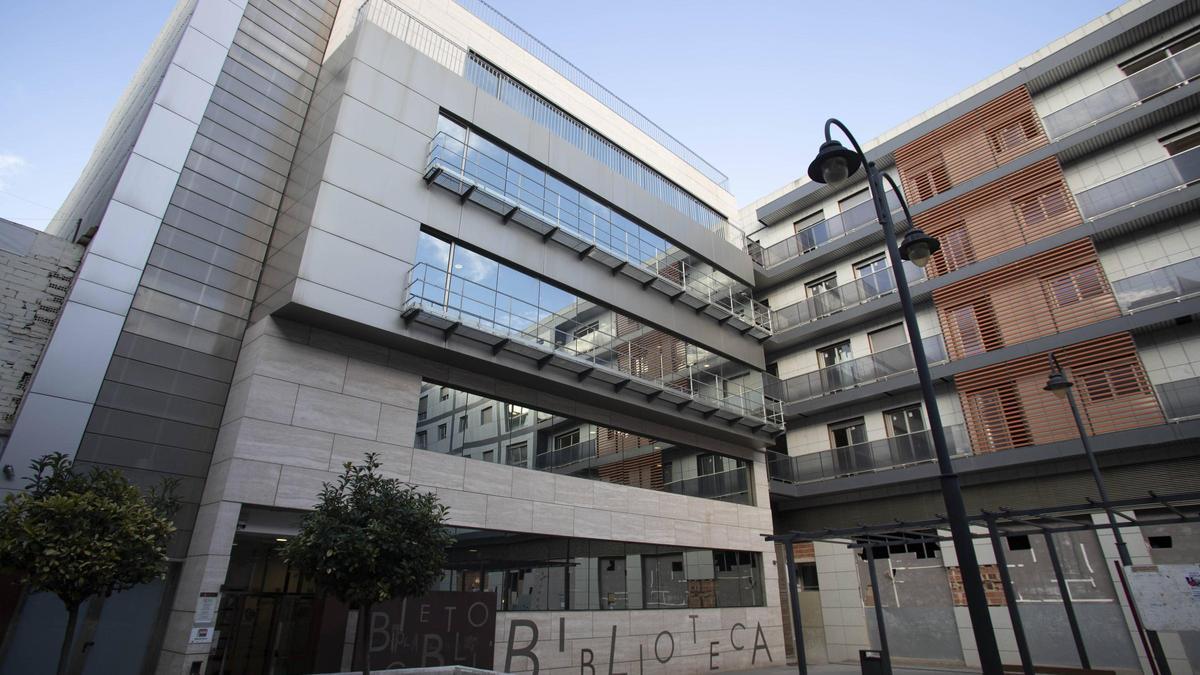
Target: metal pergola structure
(1003,522)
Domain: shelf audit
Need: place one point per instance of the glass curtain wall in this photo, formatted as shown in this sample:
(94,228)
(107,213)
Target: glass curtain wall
(572,209)
(460,423)
(497,297)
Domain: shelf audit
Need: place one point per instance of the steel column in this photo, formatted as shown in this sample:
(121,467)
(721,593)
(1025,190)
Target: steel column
(1066,597)
(1010,597)
(884,652)
(794,601)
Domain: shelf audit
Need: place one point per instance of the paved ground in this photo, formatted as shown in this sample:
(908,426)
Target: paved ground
(848,669)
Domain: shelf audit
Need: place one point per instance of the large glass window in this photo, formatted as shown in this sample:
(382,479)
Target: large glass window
(520,436)
(532,572)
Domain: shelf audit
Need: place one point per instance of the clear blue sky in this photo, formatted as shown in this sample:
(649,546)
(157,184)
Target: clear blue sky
(746,85)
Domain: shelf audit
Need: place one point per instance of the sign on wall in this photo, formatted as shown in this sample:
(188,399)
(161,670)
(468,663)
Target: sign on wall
(1167,596)
(441,628)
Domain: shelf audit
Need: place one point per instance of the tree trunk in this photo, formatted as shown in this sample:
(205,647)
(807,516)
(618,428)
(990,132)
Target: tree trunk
(364,618)
(91,620)
(64,654)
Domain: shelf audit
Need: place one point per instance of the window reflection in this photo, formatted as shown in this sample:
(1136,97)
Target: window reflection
(532,572)
(486,429)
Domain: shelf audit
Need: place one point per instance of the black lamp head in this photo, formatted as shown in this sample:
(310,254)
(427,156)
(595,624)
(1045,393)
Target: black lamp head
(1057,383)
(918,247)
(834,163)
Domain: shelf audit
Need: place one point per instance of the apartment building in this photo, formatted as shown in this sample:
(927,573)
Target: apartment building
(319,229)
(1063,193)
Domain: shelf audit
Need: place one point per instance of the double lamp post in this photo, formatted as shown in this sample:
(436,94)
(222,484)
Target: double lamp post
(834,164)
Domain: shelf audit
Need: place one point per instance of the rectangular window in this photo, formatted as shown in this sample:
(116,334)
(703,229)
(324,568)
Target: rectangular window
(422,408)
(567,440)
(806,576)
(443,394)
(485,415)
(1160,542)
(956,251)
(489,455)
(422,441)
(441,432)
(808,221)
(1121,380)
(848,433)
(875,276)
(1018,542)
(861,197)
(1041,205)
(811,231)
(819,286)
(887,338)
(517,417)
(462,424)
(518,454)
(1075,285)
(975,327)
(1000,421)
(929,178)
(707,464)
(832,355)
(1013,134)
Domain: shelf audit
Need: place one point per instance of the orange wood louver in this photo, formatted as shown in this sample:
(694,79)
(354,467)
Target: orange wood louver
(988,136)
(1022,207)
(644,471)
(1051,292)
(1006,407)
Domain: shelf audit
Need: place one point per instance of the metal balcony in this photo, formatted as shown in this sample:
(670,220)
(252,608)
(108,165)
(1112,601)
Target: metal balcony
(1168,175)
(850,294)
(1145,84)
(888,453)
(863,370)
(833,227)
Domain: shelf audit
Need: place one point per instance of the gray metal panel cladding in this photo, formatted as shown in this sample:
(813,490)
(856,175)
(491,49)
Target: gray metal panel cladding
(163,396)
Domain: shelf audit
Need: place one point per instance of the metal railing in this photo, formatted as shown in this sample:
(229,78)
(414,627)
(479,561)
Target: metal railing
(867,287)
(564,207)
(563,67)
(462,61)
(817,234)
(459,299)
(863,370)
(1171,283)
(887,453)
(1128,190)
(565,456)
(732,485)
(1129,92)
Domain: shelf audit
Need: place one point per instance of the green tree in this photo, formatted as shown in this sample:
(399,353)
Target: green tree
(82,535)
(371,539)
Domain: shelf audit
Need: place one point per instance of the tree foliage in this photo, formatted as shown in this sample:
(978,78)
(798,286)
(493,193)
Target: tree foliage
(82,534)
(372,538)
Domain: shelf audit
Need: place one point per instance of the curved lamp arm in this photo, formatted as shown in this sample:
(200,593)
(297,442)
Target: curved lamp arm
(900,195)
(832,122)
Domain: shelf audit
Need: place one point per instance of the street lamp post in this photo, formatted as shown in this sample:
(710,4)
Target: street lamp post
(1060,386)
(833,164)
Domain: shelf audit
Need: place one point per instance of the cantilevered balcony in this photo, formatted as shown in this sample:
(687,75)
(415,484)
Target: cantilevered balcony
(1126,191)
(863,370)
(865,288)
(1172,283)
(1130,92)
(456,304)
(878,455)
(813,236)
(557,212)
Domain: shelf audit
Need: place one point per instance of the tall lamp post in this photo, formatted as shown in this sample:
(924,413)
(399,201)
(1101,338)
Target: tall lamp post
(834,164)
(1060,386)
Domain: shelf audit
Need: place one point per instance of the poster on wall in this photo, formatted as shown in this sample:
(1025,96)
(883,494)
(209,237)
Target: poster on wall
(1167,596)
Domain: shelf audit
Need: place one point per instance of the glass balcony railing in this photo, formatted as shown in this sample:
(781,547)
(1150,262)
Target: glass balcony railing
(1158,287)
(460,301)
(815,235)
(1180,399)
(867,287)
(730,486)
(565,456)
(512,183)
(863,370)
(1132,91)
(1168,175)
(888,453)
